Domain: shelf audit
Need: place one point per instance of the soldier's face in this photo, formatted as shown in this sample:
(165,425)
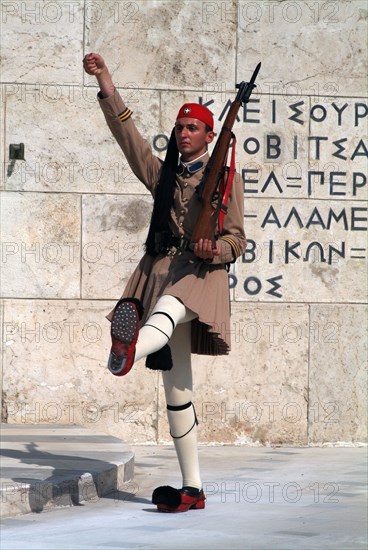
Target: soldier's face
(192,138)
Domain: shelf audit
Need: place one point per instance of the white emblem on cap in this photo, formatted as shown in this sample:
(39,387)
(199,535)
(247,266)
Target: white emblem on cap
(186,111)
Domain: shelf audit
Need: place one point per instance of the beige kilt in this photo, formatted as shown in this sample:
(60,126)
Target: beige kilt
(201,287)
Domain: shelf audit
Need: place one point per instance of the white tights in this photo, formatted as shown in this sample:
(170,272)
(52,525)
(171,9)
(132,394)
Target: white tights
(170,320)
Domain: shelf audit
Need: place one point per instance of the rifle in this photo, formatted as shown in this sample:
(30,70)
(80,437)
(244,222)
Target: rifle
(209,189)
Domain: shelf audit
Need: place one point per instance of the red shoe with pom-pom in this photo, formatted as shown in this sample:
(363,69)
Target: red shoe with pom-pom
(173,500)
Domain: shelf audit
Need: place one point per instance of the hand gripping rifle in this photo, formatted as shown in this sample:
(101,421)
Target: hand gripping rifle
(213,189)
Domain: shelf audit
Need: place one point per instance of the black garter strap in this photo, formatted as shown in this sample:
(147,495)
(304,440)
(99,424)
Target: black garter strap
(182,408)
(162,332)
(167,315)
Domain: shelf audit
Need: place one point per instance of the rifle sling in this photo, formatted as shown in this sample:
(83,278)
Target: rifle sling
(228,185)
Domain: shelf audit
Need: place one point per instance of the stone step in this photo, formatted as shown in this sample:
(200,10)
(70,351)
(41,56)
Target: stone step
(47,466)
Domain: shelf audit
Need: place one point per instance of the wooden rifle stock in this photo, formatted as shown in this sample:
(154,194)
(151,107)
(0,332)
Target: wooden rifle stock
(209,188)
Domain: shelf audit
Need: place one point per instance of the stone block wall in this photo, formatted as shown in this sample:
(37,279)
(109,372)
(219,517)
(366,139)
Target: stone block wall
(73,216)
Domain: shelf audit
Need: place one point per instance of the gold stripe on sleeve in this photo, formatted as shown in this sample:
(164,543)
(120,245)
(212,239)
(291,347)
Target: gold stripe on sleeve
(125,114)
(233,245)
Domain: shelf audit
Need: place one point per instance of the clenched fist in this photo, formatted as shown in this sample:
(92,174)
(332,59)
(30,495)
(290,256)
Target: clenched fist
(93,64)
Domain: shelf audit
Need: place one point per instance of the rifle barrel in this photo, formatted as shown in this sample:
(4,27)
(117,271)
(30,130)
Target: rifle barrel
(206,223)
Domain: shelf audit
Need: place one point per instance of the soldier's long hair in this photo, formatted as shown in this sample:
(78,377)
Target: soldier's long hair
(164,195)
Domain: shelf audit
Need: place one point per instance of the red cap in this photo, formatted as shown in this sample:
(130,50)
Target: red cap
(195,110)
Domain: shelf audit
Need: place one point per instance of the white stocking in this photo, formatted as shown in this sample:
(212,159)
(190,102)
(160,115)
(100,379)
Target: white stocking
(182,420)
(170,320)
(158,329)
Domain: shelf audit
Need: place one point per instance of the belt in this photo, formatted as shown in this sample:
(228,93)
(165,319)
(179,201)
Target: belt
(165,241)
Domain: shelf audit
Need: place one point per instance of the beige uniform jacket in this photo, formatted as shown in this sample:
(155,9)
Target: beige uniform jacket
(201,286)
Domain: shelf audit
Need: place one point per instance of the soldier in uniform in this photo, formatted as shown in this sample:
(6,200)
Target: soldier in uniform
(177,300)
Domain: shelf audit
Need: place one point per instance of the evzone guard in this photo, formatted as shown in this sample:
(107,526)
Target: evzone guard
(176,302)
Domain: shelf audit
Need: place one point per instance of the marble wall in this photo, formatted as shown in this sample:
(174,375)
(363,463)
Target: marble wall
(73,216)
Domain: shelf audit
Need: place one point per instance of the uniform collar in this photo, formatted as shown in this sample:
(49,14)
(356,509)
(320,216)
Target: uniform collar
(193,166)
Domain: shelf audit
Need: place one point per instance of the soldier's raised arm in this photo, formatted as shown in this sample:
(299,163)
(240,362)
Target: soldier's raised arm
(95,65)
(137,150)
